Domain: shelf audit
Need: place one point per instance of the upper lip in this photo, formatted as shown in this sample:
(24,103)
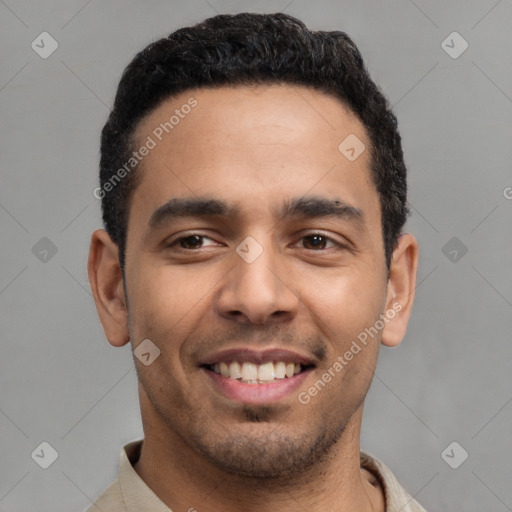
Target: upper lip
(256,356)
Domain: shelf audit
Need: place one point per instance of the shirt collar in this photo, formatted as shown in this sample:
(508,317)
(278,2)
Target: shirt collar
(138,497)
(397,498)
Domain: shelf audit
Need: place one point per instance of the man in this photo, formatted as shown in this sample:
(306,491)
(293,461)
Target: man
(254,192)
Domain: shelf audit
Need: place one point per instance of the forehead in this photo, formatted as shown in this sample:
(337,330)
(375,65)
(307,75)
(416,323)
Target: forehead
(253,146)
(256,113)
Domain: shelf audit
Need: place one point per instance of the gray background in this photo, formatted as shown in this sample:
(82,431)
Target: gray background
(62,383)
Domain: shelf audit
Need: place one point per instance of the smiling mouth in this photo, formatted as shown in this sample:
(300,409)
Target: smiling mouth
(250,373)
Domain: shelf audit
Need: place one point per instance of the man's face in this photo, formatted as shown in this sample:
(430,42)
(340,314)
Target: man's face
(309,280)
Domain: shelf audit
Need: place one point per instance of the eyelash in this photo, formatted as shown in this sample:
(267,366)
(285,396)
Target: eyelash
(338,245)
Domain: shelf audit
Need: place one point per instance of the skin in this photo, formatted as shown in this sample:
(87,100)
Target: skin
(254,148)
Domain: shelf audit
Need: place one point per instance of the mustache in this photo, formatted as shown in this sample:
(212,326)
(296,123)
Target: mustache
(258,337)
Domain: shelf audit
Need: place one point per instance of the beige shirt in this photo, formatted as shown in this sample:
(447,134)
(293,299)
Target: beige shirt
(129,493)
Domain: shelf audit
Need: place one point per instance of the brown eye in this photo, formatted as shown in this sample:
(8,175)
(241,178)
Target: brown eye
(315,242)
(191,242)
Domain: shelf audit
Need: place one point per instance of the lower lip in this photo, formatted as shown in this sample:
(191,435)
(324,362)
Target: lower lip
(256,393)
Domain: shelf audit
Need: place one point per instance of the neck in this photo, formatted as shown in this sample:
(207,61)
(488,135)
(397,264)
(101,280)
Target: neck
(184,480)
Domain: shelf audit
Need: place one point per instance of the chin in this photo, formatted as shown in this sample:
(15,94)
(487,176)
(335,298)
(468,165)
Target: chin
(268,454)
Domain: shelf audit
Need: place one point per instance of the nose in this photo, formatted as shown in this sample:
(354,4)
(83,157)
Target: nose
(258,292)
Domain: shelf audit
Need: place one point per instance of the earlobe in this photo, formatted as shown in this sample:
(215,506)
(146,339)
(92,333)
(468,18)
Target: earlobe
(106,280)
(400,290)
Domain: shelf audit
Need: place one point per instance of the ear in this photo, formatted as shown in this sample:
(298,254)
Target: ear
(106,281)
(400,290)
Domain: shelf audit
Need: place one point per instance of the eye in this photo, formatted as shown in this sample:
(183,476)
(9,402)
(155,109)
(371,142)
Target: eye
(318,242)
(191,242)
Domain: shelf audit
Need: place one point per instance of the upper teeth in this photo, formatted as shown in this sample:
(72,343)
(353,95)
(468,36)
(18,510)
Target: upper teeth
(252,373)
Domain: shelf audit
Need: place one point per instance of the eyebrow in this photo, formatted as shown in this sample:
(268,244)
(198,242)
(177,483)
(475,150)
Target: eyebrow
(316,207)
(302,207)
(179,207)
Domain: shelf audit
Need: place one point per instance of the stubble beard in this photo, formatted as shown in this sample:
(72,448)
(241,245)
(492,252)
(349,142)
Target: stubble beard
(276,456)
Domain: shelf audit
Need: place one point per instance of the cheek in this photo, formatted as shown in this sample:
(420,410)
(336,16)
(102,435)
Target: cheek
(345,302)
(165,299)
(162,309)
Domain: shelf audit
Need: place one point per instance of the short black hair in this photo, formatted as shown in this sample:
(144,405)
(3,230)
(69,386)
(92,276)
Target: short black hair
(249,49)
